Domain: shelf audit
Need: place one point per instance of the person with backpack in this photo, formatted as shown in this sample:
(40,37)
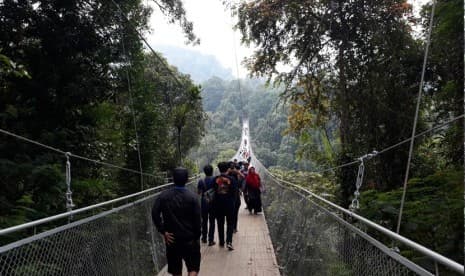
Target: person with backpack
(224,203)
(253,183)
(205,190)
(176,214)
(234,172)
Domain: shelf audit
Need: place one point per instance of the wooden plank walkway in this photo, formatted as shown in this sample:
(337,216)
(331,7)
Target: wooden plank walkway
(253,253)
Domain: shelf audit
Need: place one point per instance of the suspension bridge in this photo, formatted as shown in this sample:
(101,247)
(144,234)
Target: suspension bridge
(300,233)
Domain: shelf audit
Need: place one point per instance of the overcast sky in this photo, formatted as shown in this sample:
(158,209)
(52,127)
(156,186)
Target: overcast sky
(213,24)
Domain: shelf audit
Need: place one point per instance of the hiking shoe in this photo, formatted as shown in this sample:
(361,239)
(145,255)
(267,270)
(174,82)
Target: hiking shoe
(230,247)
(210,243)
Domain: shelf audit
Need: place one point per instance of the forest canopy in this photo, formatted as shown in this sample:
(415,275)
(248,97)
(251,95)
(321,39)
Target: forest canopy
(75,75)
(354,70)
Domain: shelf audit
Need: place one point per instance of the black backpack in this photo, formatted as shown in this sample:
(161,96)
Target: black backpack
(208,195)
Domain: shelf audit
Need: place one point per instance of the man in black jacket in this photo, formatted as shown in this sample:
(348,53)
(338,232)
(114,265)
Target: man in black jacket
(176,214)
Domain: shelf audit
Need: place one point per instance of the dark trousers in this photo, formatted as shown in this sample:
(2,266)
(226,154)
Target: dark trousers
(187,251)
(208,217)
(220,216)
(236,212)
(255,201)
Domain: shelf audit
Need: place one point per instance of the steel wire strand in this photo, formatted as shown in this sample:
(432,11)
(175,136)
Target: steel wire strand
(395,145)
(417,110)
(22,138)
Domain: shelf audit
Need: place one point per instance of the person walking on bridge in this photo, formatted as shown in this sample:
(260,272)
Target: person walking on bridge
(208,217)
(253,183)
(224,203)
(176,214)
(235,173)
(245,172)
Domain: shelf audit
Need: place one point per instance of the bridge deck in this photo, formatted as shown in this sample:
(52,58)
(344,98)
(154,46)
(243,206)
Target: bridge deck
(253,252)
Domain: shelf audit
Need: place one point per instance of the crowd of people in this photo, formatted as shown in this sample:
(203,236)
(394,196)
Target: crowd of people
(184,221)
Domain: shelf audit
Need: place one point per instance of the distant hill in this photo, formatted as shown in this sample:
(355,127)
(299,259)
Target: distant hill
(199,66)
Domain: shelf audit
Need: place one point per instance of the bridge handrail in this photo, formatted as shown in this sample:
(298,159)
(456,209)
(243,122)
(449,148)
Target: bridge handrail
(427,252)
(84,209)
(392,253)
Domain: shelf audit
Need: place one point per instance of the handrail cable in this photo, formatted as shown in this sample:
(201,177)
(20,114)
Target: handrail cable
(422,249)
(83,209)
(417,110)
(70,154)
(19,137)
(391,253)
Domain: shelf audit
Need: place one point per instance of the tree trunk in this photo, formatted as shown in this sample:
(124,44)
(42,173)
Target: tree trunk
(346,174)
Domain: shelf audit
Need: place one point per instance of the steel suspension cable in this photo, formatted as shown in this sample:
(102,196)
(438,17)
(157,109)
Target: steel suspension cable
(417,110)
(397,144)
(22,138)
(423,133)
(237,71)
(394,145)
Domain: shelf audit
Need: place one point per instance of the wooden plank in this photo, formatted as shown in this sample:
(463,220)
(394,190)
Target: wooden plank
(253,253)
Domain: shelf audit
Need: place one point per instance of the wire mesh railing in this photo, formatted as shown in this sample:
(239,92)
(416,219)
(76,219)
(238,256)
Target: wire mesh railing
(119,241)
(311,239)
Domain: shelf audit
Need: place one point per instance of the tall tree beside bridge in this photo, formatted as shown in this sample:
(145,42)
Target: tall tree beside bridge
(353,65)
(84,59)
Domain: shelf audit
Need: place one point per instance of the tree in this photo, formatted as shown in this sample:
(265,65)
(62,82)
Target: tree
(353,64)
(184,108)
(7,67)
(87,62)
(445,74)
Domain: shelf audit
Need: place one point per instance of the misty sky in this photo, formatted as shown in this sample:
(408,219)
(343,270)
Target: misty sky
(213,24)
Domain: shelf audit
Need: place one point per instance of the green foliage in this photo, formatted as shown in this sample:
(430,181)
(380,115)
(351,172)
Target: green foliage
(354,71)
(7,67)
(351,89)
(445,70)
(32,193)
(226,105)
(92,87)
(433,212)
(224,155)
(89,191)
(314,182)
